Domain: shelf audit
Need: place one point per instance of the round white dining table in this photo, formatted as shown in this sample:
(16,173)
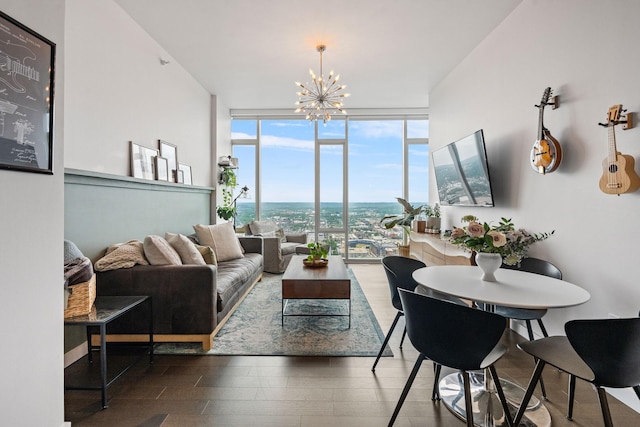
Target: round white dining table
(512,288)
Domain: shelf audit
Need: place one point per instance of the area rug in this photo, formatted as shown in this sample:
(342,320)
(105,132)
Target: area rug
(255,328)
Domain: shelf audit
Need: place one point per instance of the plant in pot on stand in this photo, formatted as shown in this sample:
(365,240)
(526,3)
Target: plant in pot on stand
(494,245)
(409,213)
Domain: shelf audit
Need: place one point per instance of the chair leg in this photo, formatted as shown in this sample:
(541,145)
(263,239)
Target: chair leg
(537,372)
(501,396)
(542,328)
(572,395)
(468,408)
(407,387)
(386,340)
(404,334)
(604,405)
(531,338)
(435,394)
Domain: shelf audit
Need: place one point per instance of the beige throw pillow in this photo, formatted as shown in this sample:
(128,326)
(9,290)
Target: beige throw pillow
(159,252)
(187,250)
(221,238)
(207,254)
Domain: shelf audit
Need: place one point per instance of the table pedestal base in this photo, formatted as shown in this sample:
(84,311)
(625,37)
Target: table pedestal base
(487,410)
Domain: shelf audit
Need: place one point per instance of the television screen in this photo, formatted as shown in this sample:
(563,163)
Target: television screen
(462,172)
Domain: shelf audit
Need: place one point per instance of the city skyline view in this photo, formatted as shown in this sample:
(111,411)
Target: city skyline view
(374,160)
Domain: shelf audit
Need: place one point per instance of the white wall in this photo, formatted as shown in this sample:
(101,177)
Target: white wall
(120,92)
(586,51)
(31,260)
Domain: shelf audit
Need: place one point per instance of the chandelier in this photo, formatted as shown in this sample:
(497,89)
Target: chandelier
(321,98)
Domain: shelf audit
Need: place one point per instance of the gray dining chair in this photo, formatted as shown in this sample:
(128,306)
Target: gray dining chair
(603,352)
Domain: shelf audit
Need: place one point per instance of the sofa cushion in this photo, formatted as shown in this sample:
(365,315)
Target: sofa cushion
(222,239)
(159,252)
(207,254)
(187,250)
(232,274)
(288,248)
(265,229)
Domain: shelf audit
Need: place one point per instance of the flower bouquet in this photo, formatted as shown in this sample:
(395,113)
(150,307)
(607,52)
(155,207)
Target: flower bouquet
(512,244)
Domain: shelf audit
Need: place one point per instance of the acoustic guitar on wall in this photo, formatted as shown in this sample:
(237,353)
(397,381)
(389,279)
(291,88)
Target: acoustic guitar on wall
(546,153)
(618,170)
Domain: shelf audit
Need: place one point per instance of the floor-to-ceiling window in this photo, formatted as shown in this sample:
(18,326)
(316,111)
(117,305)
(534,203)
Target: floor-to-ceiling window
(334,182)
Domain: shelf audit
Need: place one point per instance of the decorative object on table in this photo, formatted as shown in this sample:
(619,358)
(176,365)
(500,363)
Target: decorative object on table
(323,97)
(546,153)
(404,220)
(170,152)
(186,173)
(504,239)
(142,161)
(489,263)
(317,255)
(618,170)
(79,282)
(26,98)
(433,218)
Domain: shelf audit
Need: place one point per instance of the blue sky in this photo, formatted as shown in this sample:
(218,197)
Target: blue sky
(375,160)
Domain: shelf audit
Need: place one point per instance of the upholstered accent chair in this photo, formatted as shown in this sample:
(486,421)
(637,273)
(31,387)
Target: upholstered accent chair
(278,247)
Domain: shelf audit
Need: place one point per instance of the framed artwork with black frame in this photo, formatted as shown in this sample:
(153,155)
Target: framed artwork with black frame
(142,161)
(170,152)
(26,98)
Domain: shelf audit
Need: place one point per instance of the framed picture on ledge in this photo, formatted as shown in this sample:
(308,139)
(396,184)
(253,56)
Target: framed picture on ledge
(170,152)
(142,161)
(162,171)
(26,98)
(186,173)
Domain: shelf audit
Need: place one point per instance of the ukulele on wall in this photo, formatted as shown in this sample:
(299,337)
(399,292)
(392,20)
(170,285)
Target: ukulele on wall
(546,153)
(618,173)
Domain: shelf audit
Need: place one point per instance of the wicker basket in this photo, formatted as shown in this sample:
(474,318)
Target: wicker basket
(81,298)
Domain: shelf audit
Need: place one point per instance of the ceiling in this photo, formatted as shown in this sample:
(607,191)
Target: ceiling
(249,53)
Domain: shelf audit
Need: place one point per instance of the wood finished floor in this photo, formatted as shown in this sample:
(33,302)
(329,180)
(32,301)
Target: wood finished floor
(309,391)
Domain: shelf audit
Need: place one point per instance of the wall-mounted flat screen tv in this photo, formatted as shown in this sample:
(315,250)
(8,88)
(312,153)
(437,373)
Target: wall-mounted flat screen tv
(462,172)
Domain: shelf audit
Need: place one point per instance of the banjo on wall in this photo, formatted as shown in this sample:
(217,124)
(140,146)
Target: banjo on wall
(546,153)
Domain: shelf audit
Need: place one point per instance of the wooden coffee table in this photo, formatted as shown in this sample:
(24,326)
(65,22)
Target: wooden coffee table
(330,282)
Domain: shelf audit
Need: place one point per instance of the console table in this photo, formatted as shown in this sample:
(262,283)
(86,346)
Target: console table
(106,309)
(432,250)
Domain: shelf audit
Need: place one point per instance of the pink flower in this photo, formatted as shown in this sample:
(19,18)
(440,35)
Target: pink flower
(457,232)
(475,229)
(498,238)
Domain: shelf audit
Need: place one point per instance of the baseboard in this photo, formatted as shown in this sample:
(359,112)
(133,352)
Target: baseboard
(75,354)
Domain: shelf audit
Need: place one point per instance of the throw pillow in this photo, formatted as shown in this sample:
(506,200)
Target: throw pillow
(222,239)
(261,227)
(280,234)
(268,234)
(185,248)
(207,254)
(159,252)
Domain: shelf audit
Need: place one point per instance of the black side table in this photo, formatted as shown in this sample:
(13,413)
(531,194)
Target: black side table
(108,308)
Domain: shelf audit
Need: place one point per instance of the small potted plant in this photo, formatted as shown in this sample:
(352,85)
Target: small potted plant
(404,221)
(433,218)
(317,255)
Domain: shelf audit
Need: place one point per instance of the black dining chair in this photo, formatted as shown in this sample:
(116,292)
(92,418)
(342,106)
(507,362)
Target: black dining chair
(399,271)
(604,352)
(537,266)
(455,336)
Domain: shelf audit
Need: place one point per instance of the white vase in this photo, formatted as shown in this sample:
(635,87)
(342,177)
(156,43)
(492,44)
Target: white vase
(488,263)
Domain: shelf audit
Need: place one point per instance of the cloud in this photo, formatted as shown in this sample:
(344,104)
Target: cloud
(376,129)
(284,142)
